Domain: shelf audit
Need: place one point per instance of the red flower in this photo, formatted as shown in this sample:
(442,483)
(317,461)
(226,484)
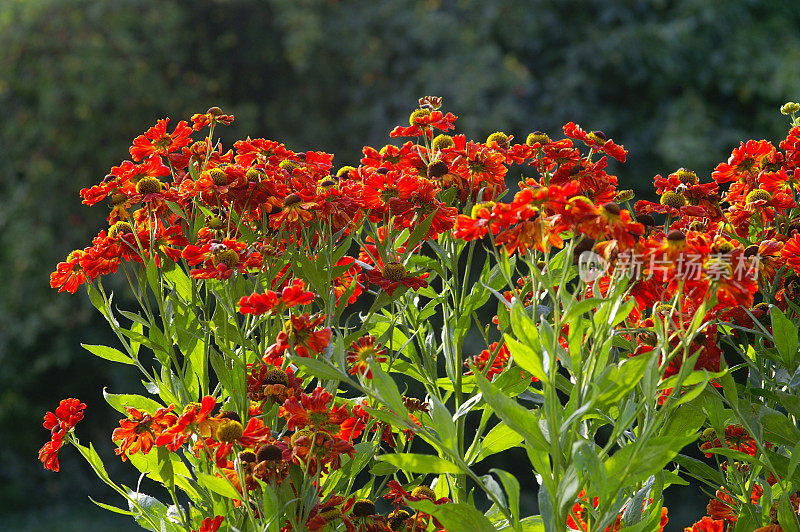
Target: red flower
(212,116)
(66,416)
(736,437)
(210,525)
(707,524)
(485,166)
(745,162)
(423,124)
(296,212)
(69,275)
(361,352)
(261,151)
(328,512)
(258,304)
(791,252)
(138,431)
(298,334)
(312,411)
(392,275)
(724,507)
(193,420)
(596,139)
(397,495)
(296,294)
(318,450)
(499,355)
(156,140)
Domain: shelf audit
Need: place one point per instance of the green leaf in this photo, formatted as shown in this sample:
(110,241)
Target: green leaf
(787,517)
(443,422)
(532,524)
(456,516)
(218,485)
(700,470)
(91,456)
(636,462)
(120,401)
(617,381)
(154,509)
(108,353)
(777,428)
(420,463)
(729,389)
(546,509)
(584,454)
(112,508)
(528,357)
(511,485)
(152,276)
(420,230)
(179,282)
(380,469)
(517,418)
(578,308)
(152,464)
(174,207)
(318,368)
(99,303)
(165,470)
(385,386)
(500,438)
(786,339)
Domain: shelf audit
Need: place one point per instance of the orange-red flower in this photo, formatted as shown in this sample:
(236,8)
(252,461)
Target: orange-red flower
(300,335)
(194,420)
(291,296)
(397,495)
(361,352)
(499,355)
(736,437)
(312,411)
(328,512)
(744,162)
(59,423)
(707,524)
(212,116)
(210,525)
(791,253)
(157,141)
(392,275)
(69,275)
(424,124)
(258,304)
(139,430)
(596,140)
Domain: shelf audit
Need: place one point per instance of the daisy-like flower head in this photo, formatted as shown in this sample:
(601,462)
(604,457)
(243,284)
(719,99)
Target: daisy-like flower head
(596,140)
(210,524)
(303,335)
(361,352)
(140,429)
(745,161)
(69,275)
(394,274)
(194,420)
(214,115)
(157,141)
(59,423)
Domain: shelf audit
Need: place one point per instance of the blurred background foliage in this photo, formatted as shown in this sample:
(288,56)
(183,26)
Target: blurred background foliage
(678,82)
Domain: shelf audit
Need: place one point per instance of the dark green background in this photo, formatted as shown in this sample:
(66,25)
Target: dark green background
(679,83)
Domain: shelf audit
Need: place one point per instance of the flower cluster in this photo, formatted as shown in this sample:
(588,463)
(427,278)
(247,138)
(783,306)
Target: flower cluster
(287,302)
